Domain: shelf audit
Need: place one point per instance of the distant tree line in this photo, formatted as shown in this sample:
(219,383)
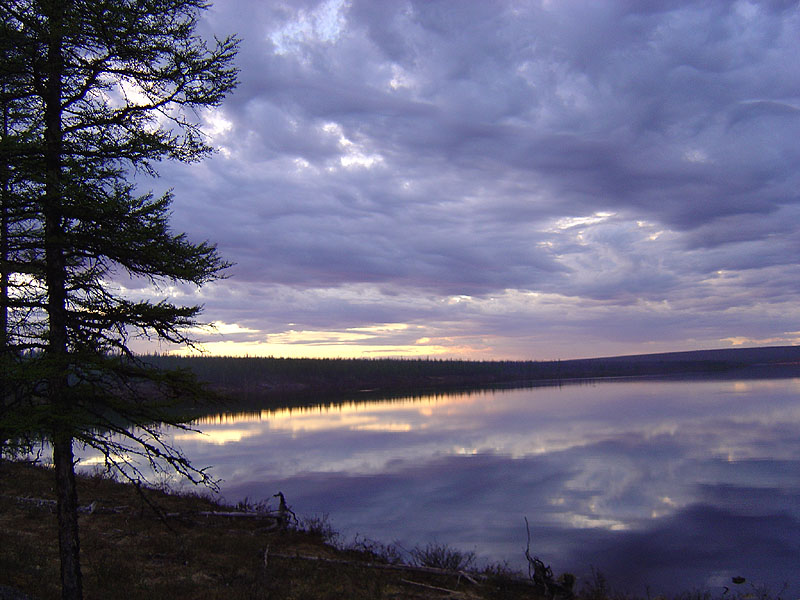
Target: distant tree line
(268,376)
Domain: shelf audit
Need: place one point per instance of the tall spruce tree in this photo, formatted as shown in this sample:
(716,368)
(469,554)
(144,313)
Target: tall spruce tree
(20,124)
(93,91)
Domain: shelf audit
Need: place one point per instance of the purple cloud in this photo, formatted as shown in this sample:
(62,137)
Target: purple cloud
(615,157)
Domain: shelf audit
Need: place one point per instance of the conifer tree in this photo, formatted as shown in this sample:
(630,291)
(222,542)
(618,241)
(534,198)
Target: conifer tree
(19,122)
(97,90)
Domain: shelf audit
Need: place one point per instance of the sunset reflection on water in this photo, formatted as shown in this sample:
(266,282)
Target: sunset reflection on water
(392,415)
(689,481)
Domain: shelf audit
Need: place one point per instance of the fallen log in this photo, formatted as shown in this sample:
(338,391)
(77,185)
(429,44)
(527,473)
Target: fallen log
(249,515)
(452,593)
(50,505)
(471,577)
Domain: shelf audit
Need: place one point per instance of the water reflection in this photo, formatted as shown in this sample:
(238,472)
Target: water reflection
(673,485)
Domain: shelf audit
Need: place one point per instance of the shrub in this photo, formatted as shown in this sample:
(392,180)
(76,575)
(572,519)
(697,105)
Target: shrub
(440,556)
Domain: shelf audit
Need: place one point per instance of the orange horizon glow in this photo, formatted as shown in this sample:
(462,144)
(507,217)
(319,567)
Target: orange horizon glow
(401,340)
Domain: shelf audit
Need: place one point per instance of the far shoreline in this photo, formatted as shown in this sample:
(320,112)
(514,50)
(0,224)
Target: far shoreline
(268,380)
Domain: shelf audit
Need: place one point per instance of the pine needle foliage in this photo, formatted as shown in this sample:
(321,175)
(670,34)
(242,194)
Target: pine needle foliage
(92,92)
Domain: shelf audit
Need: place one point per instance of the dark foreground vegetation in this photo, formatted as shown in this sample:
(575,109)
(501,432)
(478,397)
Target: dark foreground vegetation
(145,543)
(264,379)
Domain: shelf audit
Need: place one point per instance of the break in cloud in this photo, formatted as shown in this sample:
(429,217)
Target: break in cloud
(501,179)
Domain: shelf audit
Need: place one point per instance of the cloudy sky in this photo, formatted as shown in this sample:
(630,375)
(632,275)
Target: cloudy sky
(501,179)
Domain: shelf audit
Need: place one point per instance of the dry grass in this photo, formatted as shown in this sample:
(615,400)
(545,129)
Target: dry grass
(134,554)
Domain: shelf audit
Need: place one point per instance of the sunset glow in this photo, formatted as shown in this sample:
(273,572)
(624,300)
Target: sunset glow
(524,180)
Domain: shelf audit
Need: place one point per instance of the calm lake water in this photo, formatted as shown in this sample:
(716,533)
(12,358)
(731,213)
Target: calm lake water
(676,485)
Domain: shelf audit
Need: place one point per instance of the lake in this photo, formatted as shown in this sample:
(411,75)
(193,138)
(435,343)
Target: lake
(676,485)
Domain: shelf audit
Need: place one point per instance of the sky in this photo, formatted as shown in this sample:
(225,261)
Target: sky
(486,180)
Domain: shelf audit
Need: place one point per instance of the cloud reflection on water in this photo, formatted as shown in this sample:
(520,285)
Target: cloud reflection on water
(669,484)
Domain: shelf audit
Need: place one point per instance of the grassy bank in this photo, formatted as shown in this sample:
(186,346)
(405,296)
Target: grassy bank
(148,544)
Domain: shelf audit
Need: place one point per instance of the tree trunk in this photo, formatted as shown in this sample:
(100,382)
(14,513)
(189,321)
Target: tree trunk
(5,209)
(57,351)
(5,203)
(67,508)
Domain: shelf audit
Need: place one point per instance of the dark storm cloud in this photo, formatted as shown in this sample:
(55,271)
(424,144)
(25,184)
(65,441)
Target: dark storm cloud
(615,152)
